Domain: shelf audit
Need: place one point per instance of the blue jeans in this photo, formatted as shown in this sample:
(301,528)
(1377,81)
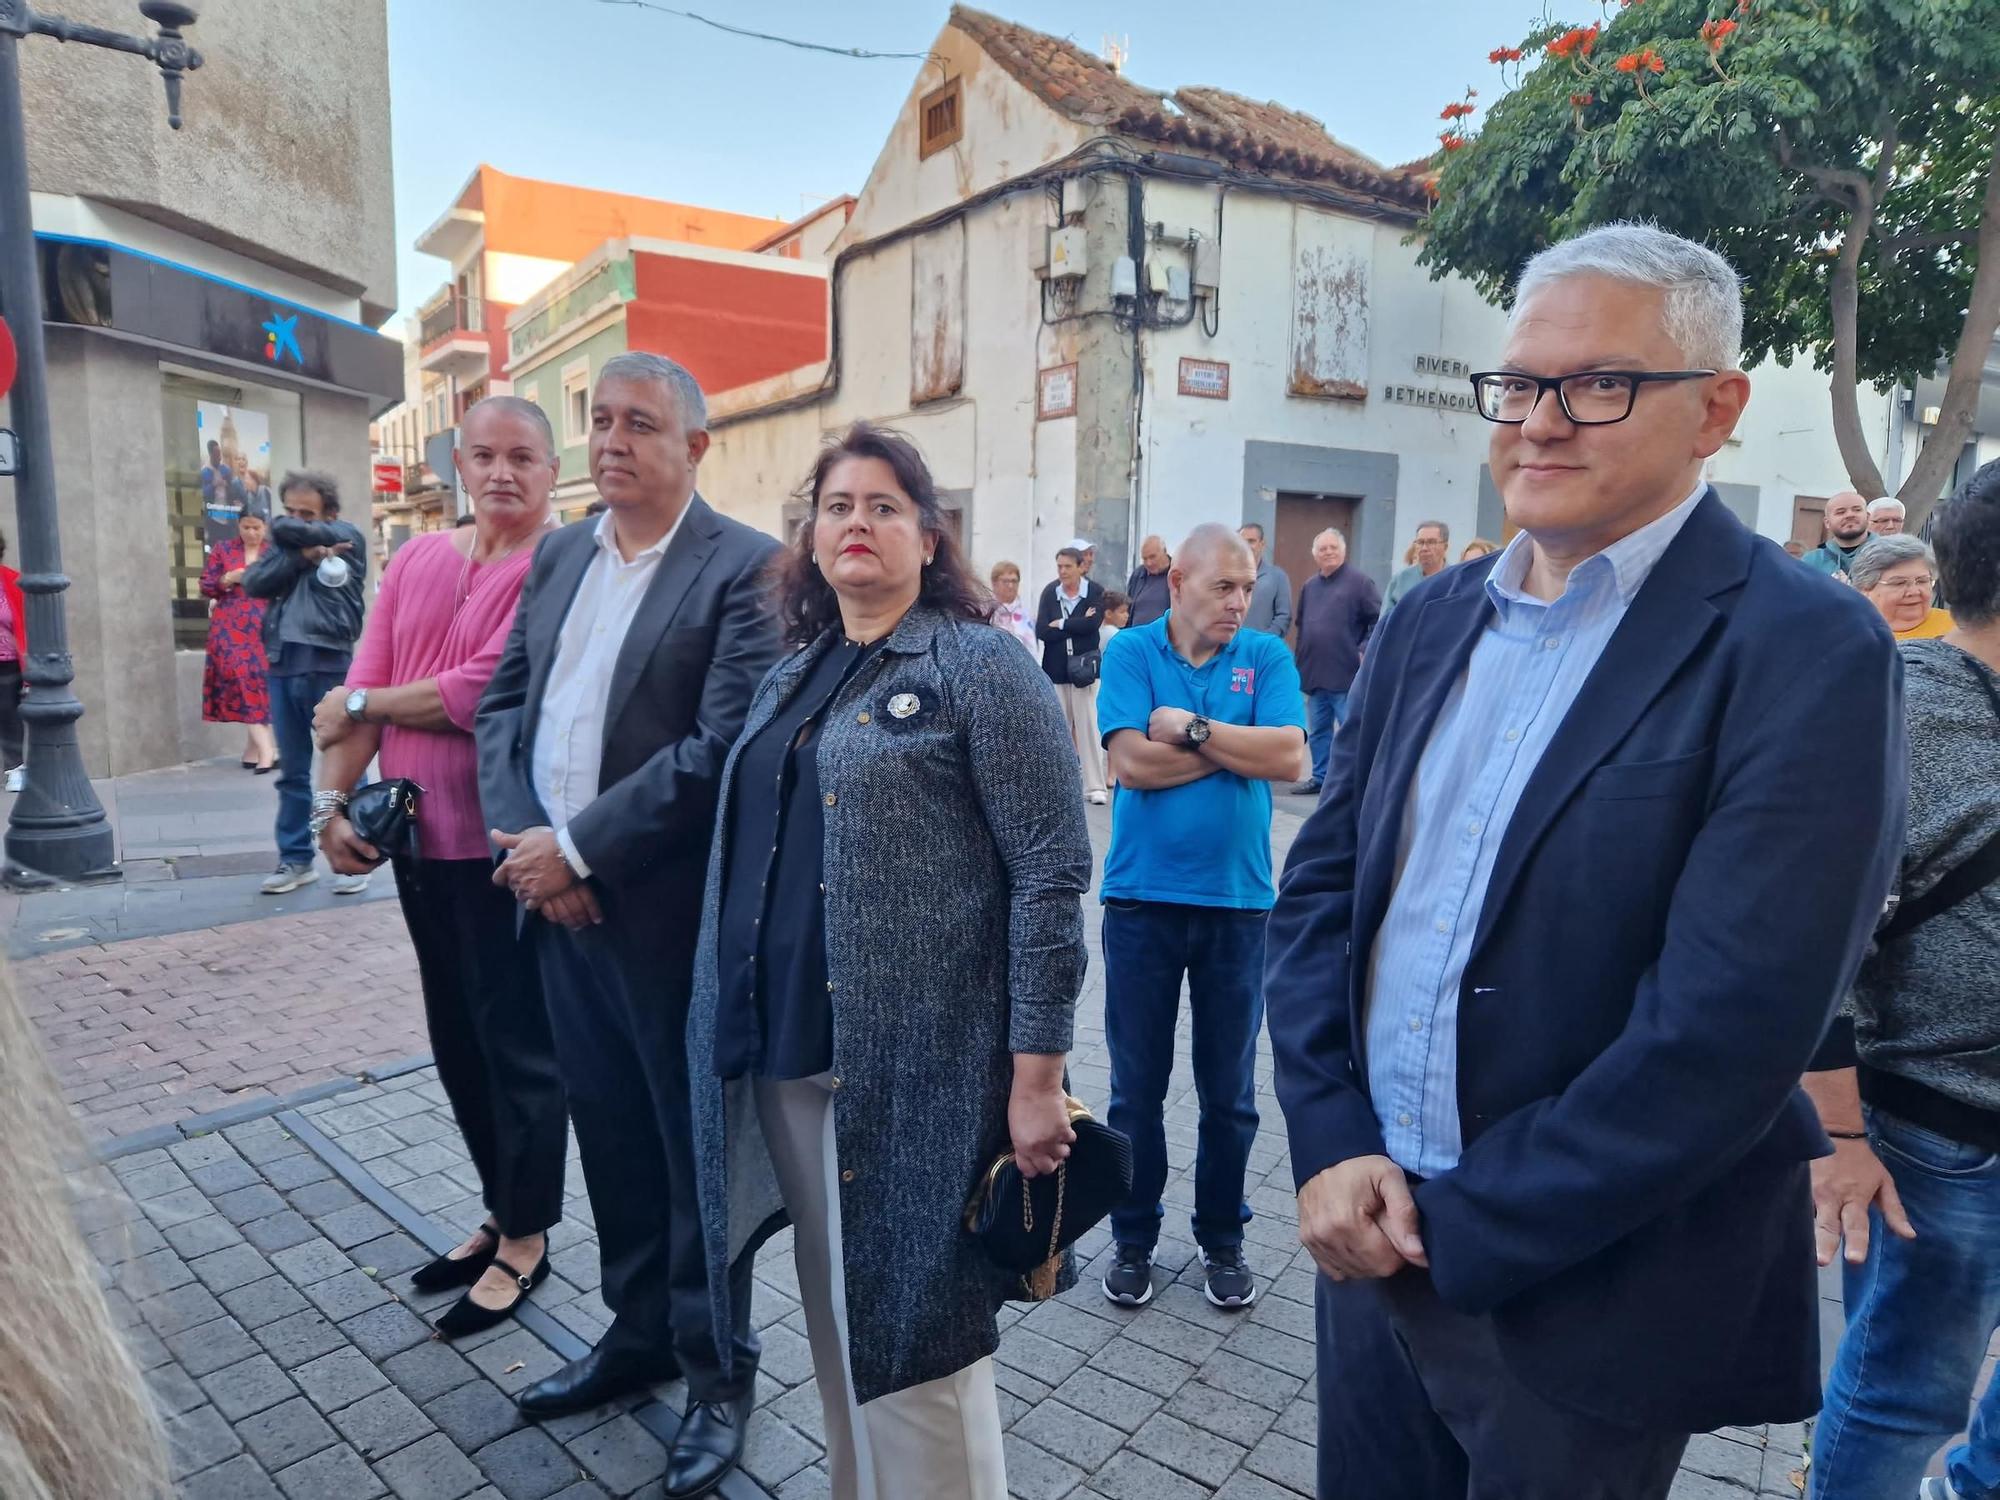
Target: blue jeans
(1326,710)
(1919,1314)
(293,699)
(1148,947)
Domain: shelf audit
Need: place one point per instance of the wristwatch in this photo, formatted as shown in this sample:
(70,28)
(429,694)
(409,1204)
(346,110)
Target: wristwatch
(357,705)
(1197,730)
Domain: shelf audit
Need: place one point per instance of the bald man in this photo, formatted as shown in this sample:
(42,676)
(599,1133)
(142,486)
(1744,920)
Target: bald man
(1846,534)
(1200,715)
(1147,587)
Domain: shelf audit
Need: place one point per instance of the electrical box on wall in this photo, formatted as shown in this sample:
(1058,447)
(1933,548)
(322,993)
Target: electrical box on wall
(1068,255)
(1207,265)
(1156,276)
(1124,277)
(1076,195)
(1178,289)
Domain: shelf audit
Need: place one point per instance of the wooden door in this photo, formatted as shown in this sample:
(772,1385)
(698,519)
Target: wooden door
(1809,520)
(1301,517)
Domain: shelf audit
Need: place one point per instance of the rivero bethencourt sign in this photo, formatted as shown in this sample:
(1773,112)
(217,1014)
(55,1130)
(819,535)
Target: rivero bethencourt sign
(1438,398)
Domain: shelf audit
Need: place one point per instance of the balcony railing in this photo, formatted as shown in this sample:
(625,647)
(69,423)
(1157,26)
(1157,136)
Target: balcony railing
(456,314)
(562,306)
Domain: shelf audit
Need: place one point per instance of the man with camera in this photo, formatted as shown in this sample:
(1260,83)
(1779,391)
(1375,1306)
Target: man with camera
(312,572)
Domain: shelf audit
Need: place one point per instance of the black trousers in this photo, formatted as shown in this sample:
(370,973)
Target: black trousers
(490,1035)
(12,737)
(1417,1403)
(618,1002)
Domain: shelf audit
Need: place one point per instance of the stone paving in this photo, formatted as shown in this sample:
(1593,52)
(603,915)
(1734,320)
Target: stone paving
(261,1268)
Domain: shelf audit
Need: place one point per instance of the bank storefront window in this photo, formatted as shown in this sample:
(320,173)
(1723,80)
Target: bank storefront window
(228,443)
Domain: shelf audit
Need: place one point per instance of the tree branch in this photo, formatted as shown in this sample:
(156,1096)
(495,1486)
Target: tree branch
(1849,189)
(1896,244)
(1845,292)
(1968,363)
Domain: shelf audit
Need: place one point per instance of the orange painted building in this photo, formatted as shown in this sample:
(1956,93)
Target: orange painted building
(507,237)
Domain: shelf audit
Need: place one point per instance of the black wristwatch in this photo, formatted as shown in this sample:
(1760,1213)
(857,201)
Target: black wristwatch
(1197,730)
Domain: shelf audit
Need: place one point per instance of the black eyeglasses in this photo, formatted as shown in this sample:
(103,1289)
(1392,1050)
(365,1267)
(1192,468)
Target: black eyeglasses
(1592,398)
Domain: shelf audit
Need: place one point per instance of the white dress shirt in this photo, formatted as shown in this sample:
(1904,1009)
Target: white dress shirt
(569,735)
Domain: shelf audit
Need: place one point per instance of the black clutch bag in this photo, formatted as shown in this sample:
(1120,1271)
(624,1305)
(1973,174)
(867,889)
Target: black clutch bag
(384,813)
(1023,1225)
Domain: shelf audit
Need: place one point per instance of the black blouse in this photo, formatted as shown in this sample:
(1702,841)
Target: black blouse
(774,1019)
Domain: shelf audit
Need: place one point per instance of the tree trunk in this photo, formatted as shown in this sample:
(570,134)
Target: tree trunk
(1968,364)
(1845,389)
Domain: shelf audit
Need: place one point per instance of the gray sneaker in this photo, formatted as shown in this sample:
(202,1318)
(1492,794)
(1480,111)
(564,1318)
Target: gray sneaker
(286,879)
(1936,1489)
(1226,1280)
(349,885)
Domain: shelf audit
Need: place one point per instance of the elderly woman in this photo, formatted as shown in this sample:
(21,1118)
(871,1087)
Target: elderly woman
(1909,1086)
(1011,612)
(1898,574)
(234,687)
(892,945)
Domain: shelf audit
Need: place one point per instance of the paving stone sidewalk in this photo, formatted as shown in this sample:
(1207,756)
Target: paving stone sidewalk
(262,1271)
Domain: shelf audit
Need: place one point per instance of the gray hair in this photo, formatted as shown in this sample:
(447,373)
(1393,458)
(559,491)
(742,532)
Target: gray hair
(1704,297)
(678,383)
(1883,504)
(319,483)
(1884,553)
(519,406)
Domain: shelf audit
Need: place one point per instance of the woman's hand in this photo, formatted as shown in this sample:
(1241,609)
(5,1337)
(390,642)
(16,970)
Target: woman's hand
(1038,1114)
(345,849)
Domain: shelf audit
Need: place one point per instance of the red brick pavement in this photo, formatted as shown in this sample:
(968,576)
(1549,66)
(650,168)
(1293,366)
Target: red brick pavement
(159,1028)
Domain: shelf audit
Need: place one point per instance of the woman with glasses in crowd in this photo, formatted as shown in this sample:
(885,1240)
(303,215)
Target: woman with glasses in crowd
(1899,576)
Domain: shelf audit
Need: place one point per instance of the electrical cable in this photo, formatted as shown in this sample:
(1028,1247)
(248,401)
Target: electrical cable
(765,36)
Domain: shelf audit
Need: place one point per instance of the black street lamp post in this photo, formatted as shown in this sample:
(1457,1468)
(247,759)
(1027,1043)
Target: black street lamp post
(57,831)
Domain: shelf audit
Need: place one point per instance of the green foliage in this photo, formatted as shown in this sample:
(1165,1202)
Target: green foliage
(1731,144)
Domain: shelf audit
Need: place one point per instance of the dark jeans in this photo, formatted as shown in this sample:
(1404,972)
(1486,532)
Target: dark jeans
(1148,947)
(11,738)
(490,1035)
(1325,710)
(293,699)
(618,1005)
(1416,1400)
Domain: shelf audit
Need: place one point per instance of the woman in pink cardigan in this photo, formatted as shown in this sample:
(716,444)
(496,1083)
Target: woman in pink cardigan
(434,637)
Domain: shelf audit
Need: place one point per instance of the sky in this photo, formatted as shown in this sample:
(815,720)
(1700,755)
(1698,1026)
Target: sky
(610,96)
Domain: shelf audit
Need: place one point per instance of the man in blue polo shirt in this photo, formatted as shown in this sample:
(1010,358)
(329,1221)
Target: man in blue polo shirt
(1199,715)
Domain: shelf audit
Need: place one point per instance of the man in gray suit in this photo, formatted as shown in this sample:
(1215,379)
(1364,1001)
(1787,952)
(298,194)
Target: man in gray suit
(638,642)
(1271,601)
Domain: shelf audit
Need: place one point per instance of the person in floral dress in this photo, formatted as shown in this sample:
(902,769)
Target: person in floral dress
(233,685)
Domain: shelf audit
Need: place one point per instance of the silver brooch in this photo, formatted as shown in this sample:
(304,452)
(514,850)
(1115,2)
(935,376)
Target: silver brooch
(903,705)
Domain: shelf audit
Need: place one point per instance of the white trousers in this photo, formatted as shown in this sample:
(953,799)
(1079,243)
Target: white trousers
(1079,706)
(935,1441)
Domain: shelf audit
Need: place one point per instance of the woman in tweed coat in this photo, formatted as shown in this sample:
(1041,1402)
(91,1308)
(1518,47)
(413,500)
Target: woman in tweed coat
(926,811)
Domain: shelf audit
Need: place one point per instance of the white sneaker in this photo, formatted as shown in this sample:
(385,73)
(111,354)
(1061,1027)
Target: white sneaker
(1936,1489)
(286,879)
(349,885)
(1097,799)
(17,779)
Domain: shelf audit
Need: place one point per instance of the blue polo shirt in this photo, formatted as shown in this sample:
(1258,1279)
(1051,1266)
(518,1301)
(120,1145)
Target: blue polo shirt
(1207,843)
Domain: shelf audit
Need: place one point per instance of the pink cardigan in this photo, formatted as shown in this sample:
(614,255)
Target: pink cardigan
(418,629)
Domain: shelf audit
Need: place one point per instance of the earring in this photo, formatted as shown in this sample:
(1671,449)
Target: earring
(813,558)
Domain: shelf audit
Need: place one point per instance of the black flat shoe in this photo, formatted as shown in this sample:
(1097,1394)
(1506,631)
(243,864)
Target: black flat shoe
(708,1446)
(249,765)
(466,1316)
(602,1375)
(266,770)
(444,1272)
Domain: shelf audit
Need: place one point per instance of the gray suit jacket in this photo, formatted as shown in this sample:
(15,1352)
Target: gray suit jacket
(703,637)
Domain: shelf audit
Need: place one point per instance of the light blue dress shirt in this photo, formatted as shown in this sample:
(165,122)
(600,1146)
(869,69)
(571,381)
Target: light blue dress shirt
(1497,720)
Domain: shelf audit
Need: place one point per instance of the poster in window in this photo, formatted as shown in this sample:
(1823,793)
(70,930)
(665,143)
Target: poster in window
(235,447)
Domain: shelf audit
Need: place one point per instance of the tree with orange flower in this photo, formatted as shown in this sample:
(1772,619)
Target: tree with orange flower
(1844,154)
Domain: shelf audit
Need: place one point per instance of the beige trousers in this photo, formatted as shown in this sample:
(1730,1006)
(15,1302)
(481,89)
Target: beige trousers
(1079,706)
(935,1441)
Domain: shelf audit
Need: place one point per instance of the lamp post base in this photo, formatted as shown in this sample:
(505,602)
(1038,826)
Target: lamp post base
(38,859)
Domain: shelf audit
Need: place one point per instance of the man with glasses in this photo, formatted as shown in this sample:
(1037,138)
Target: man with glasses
(1433,537)
(1551,954)
(1886,515)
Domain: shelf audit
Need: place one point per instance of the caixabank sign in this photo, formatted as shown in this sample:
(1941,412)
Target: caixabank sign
(94,284)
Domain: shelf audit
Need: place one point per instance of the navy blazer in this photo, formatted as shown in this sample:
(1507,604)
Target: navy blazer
(1672,920)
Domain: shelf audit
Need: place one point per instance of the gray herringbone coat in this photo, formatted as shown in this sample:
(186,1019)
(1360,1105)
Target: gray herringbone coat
(956,855)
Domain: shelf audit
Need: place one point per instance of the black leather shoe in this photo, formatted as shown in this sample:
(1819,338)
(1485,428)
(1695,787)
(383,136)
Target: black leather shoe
(708,1446)
(600,1376)
(445,1272)
(467,1317)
